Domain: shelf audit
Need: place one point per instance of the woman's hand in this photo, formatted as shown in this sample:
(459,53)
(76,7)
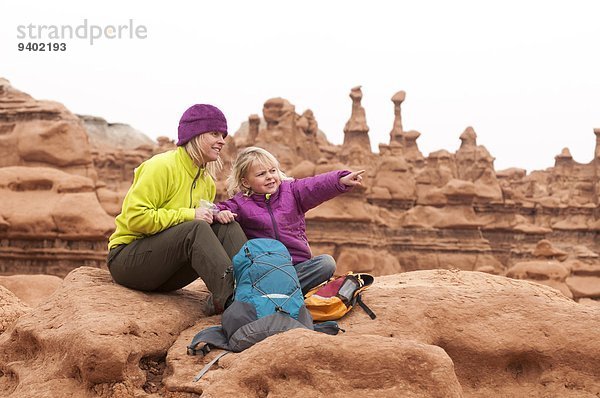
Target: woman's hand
(225,216)
(204,215)
(352,179)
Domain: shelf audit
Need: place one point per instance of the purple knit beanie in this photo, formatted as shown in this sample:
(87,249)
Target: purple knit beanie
(200,119)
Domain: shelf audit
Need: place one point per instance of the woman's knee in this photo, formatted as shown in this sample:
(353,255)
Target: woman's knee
(197,224)
(198,228)
(231,236)
(232,228)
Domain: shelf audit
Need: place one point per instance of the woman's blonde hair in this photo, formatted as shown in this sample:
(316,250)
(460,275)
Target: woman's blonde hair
(194,150)
(244,160)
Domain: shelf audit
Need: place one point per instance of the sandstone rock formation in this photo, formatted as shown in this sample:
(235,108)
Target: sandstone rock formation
(41,133)
(102,134)
(47,203)
(283,366)
(396,135)
(454,206)
(415,209)
(11,308)
(447,209)
(438,333)
(90,339)
(31,289)
(62,180)
(575,273)
(291,137)
(116,149)
(356,148)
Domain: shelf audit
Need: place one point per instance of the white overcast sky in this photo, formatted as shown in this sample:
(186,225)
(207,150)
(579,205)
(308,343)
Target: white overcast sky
(524,74)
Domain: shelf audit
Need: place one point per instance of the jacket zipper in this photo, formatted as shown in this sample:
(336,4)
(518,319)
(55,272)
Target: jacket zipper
(193,187)
(272,218)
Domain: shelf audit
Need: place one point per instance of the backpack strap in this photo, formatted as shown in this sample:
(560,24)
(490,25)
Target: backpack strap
(365,307)
(328,327)
(209,365)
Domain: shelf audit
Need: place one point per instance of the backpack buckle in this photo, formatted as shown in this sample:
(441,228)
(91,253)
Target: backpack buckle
(280,309)
(205,349)
(193,350)
(228,270)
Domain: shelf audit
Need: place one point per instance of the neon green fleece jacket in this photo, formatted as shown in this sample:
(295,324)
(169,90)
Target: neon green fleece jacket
(166,188)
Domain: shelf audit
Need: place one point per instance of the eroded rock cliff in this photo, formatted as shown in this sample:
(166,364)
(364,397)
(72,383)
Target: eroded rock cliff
(444,210)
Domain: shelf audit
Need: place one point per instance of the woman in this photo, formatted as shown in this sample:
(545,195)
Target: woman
(164,240)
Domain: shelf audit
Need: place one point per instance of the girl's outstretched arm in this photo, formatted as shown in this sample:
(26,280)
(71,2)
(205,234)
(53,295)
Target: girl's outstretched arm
(312,191)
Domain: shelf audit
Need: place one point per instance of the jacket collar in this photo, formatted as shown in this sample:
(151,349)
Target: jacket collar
(188,164)
(261,197)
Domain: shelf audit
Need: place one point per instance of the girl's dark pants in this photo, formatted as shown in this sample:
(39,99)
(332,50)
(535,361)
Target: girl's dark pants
(179,255)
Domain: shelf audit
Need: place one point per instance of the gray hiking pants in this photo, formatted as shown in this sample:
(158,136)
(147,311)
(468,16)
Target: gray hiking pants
(315,271)
(179,255)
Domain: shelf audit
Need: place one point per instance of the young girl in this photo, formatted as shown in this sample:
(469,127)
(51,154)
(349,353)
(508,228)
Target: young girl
(267,204)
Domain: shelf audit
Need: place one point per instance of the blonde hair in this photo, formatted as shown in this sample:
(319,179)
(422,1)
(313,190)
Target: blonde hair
(244,160)
(194,150)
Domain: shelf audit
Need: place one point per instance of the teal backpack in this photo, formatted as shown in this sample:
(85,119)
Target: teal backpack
(267,300)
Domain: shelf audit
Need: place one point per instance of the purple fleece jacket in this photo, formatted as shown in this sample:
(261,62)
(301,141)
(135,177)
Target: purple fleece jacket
(281,216)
